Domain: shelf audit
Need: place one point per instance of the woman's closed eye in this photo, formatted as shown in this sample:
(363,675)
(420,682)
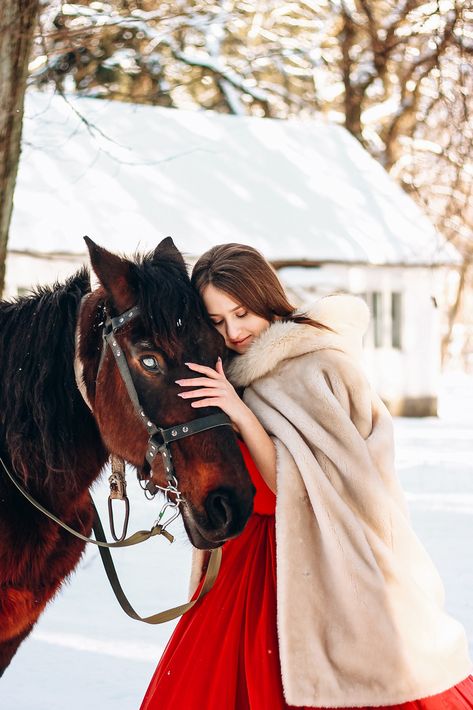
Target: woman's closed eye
(218,323)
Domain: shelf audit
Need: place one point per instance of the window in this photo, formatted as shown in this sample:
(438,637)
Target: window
(378,319)
(386,319)
(396,320)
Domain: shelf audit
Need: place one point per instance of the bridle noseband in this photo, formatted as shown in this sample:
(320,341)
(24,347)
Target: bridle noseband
(159,438)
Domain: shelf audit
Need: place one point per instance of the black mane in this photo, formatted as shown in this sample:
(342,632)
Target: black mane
(38,397)
(168,302)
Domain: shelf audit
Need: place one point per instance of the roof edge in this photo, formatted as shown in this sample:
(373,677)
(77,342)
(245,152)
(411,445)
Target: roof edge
(276,263)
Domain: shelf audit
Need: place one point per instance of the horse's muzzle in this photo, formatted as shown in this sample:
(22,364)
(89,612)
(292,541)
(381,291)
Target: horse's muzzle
(225,515)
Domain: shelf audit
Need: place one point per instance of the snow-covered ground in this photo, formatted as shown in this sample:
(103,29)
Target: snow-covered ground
(85,653)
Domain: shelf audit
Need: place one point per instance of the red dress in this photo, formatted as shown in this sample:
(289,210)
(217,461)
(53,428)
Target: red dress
(223,654)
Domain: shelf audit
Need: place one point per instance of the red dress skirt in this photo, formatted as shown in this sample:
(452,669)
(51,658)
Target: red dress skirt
(223,654)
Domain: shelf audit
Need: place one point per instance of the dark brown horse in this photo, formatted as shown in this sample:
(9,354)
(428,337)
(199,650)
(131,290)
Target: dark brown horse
(56,446)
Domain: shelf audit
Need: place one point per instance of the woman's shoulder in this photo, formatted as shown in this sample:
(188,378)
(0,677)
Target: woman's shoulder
(343,318)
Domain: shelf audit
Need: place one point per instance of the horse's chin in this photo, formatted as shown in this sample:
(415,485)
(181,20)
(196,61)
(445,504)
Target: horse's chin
(200,537)
(201,543)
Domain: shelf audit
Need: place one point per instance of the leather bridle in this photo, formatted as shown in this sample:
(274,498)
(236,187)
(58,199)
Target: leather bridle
(159,438)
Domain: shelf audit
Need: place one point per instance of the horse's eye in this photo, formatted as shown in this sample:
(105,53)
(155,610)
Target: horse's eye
(150,363)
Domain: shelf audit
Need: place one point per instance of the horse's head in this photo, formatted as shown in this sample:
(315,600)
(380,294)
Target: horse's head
(171,328)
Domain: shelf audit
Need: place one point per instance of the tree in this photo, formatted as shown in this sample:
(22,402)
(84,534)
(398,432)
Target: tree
(17,24)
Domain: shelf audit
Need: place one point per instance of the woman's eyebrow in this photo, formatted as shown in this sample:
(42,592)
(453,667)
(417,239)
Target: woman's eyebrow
(218,314)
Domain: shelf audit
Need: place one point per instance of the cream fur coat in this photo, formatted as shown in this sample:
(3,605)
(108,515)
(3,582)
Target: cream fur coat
(360,604)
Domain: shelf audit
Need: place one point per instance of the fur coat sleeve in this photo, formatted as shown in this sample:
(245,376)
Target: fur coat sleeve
(360,604)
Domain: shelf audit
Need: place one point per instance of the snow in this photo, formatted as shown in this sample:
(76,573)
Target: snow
(85,653)
(134,174)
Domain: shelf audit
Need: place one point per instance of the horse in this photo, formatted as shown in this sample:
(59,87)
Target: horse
(58,428)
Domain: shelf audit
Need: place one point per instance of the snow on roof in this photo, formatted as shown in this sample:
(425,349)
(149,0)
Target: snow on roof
(129,175)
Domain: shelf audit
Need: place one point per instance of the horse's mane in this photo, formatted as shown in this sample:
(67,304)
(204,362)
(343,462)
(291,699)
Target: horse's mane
(39,397)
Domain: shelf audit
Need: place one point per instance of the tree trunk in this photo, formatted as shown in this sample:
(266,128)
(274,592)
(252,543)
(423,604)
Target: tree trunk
(17,23)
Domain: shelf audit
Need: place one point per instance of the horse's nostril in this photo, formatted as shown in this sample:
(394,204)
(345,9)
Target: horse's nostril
(219,509)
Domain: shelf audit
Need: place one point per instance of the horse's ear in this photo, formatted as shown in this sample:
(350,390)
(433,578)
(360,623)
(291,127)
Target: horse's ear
(113,273)
(166,249)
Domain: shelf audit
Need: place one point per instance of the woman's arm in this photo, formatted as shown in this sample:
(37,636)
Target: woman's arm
(214,390)
(260,446)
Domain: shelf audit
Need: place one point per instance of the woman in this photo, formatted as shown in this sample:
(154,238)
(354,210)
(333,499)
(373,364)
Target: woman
(359,605)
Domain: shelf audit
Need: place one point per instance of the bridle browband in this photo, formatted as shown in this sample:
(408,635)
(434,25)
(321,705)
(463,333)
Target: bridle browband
(159,438)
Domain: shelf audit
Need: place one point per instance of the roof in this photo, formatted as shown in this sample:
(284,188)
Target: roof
(128,175)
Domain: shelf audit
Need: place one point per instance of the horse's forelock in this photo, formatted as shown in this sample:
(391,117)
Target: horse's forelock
(168,302)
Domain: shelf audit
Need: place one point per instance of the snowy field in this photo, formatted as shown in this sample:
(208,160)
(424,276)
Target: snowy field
(85,653)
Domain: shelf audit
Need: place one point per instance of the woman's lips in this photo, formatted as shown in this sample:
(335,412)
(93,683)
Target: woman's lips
(240,342)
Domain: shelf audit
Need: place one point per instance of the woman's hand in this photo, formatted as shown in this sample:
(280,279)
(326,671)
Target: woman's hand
(214,390)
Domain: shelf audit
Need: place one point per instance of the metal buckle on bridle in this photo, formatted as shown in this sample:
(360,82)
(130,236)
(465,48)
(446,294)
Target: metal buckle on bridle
(117,483)
(172,503)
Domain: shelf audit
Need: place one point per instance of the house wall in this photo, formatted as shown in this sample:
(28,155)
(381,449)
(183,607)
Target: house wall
(406,377)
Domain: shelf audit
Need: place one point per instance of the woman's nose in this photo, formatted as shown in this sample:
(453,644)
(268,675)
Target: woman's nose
(233,331)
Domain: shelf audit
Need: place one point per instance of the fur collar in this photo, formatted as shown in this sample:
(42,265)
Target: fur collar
(347,316)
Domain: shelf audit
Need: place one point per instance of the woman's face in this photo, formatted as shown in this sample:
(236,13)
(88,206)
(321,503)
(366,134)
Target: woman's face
(238,326)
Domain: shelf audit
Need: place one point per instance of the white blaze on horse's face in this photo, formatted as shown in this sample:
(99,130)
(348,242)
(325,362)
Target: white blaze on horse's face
(237,324)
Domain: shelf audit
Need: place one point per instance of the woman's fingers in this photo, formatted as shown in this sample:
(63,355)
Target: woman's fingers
(201,393)
(208,371)
(198,382)
(209,402)
(213,390)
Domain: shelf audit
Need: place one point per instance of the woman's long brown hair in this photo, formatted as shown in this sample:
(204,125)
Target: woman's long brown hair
(245,275)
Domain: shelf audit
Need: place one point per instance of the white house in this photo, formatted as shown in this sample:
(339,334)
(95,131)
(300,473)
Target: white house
(305,193)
